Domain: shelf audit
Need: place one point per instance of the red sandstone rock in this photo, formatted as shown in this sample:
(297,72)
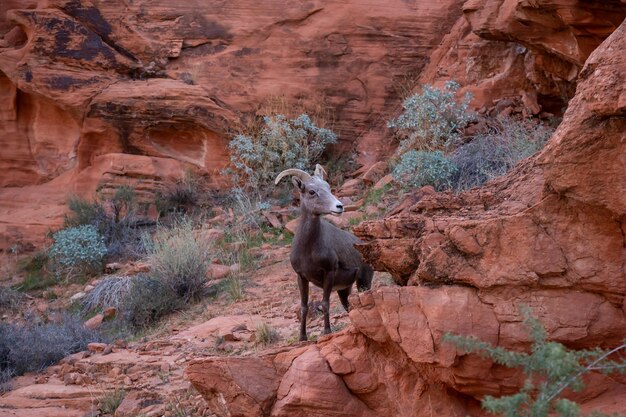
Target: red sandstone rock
(549,235)
(83,80)
(94,322)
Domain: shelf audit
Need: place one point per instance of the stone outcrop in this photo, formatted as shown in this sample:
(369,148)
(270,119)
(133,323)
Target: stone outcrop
(549,235)
(523,54)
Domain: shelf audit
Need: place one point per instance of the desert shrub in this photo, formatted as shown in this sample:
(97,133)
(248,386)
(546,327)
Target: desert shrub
(83,212)
(116,220)
(179,258)
(550,369)
(495,152)
(78,250)
(420,168)
(266,334)
(109,292)
(247,208)
(32,347)
(432,119)
(140,300)
(10,299)
(179,196)
(110,401)
(147,300)
(5,380)
(282,143)
(37,271)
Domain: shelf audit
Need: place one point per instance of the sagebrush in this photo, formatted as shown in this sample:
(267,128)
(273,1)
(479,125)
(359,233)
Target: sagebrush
(432,120)
(433,152)
(78,250)
(282,143)
(420,168)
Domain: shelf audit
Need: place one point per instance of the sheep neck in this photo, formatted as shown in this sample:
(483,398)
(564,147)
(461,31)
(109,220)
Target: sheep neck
(309,228)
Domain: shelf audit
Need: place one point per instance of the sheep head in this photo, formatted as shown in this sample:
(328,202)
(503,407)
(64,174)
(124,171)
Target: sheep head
(315,195)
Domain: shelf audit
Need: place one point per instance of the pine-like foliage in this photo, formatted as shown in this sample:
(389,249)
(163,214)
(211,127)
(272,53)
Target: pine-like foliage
(550,368)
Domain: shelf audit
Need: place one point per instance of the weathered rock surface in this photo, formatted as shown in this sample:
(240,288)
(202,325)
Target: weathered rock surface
(549,235)
(521,54)
(83,80)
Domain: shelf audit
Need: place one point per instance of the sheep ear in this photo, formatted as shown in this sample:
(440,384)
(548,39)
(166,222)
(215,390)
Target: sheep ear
(297,182)
(320,172)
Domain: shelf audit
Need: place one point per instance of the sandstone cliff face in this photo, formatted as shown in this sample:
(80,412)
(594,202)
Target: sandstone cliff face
(550,235)
(84,82)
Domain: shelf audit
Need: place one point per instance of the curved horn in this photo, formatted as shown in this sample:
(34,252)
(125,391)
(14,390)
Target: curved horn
(292,171)
(320,171)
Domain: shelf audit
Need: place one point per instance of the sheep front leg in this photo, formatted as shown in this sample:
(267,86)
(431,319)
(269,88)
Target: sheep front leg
(327,290)
(303,285)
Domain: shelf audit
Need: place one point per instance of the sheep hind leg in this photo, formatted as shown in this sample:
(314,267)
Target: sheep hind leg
(303,285)
(343,297)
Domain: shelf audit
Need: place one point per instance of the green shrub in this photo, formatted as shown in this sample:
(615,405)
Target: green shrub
(420,168)
(550,368)
(34,346)
(282,143)
(494,153)
(79,250)
(180,258)
(432,120)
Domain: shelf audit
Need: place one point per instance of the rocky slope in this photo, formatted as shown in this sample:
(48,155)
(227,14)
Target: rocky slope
(549,235)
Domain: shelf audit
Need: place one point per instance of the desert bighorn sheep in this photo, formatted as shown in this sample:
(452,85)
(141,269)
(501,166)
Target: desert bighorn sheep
(322,253)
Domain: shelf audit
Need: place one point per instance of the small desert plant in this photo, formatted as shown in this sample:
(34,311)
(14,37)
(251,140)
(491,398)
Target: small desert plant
(266,334)
(282,143)
(493,153)
(433,119)
(109,292)
(148,299)
(110,401)
(247,208)
(420,168)
(78,250)
(179,196)
(234,287)
(10,299)
(5,380)
(179,258)
(34,346)
(38,276)
(550,369)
